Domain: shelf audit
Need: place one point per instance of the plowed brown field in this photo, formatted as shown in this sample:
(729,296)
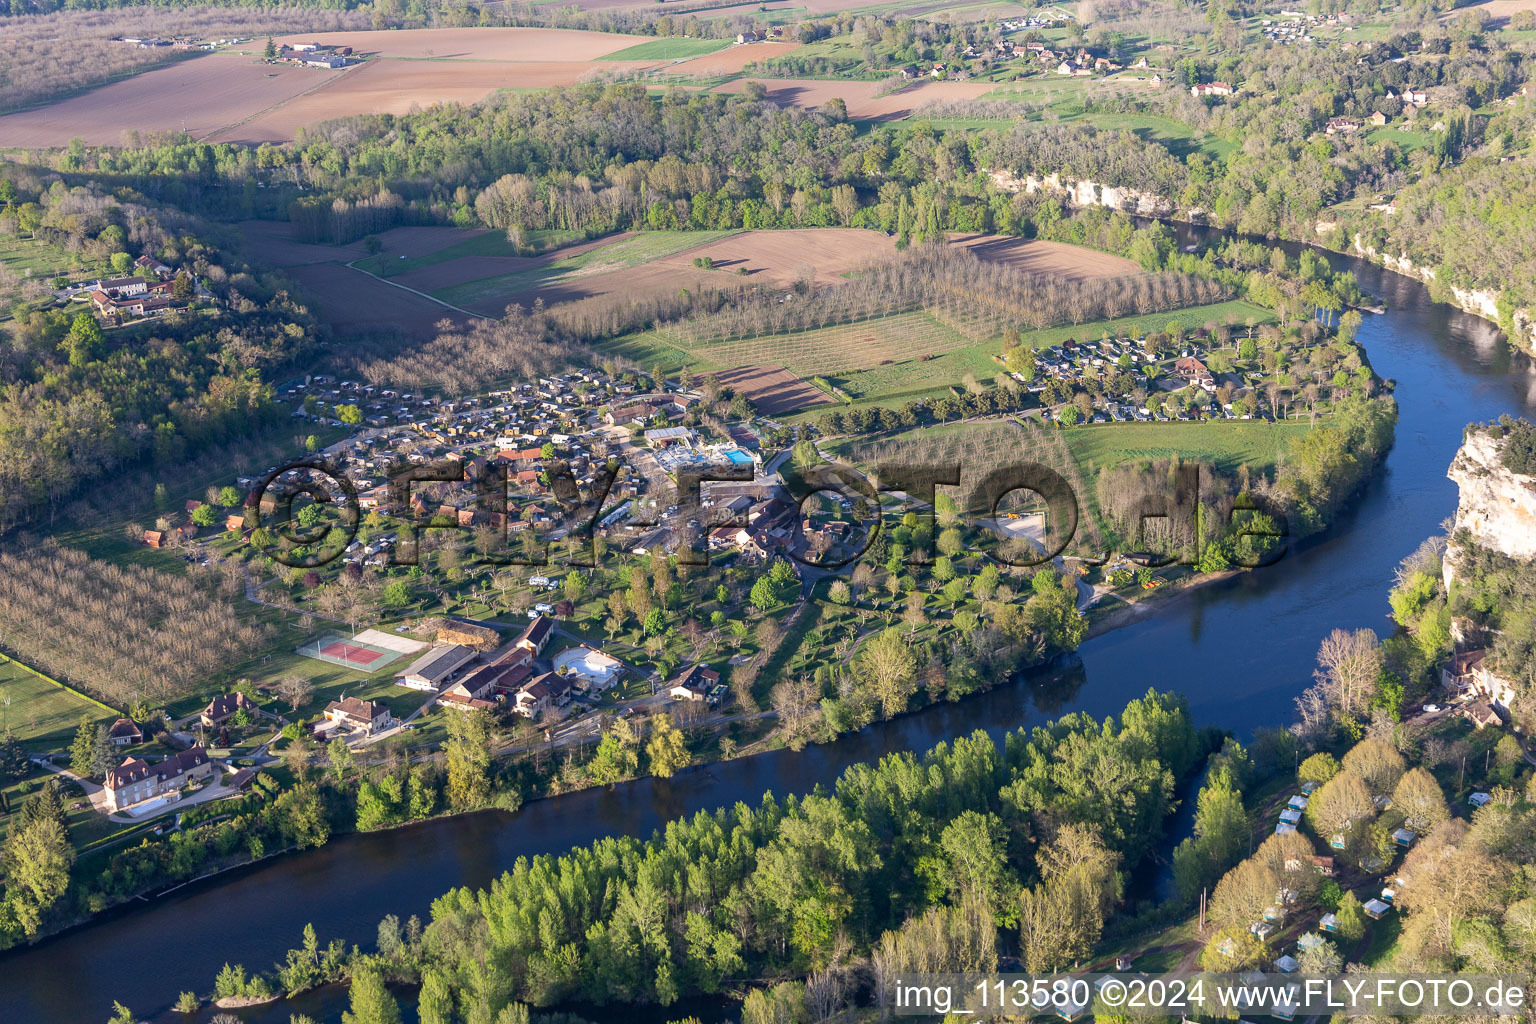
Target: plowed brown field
(385,86)
(1037,257)
(861,98)
(200,95)
(515,44)
(353,302)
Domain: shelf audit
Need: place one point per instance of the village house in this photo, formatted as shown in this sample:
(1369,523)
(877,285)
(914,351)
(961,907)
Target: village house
(1342,126)
(1468,673)
(478,690)
(364,716)
(696,683)
(222,709)
(1210,89)
(536,635)
(125,732)
(136,780)
(1195,372)
(542,693)
(1481,714)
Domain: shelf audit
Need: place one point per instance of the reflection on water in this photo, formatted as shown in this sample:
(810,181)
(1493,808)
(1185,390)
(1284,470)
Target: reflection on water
(1240,650)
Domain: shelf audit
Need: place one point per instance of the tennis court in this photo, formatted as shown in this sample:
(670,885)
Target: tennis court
(353,654)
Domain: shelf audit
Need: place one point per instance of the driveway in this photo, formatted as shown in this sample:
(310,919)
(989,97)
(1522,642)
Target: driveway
(98,796)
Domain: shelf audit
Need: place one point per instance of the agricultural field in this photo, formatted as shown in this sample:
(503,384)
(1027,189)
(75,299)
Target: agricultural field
(200,96)
(271,242)
(669,49)
(356,302)
(42,715)
(1235,312)
(634,264)
(472,44)
(1058,259)
(863,99)
(900,358)
(729,61)
(385,86)
(479,273)
(236,97)
(773,391)
(465,246)
(904,339)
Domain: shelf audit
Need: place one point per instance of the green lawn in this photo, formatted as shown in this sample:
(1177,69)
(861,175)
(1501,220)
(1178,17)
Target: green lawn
(669,49)
(1224,444)
(43,715)
(1407,140)
(43,259)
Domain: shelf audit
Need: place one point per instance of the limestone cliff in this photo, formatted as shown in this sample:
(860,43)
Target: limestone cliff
(1497,507)
(1089,193)
(1483,303)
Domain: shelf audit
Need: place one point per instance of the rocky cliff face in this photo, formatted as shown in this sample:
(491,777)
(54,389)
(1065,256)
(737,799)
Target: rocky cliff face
(1089,193)
(1497,506)
(1481,303)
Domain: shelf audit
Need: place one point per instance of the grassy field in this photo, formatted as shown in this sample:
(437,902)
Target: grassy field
(669,49)
(488,243)
(1234,311)
(1065,99)
(41,259)
(44,716)
(1407,140)
(877,362)
(1178,138)
(1224,444)
(620,255)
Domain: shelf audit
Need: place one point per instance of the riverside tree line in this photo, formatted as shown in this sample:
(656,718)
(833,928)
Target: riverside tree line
(1030,835)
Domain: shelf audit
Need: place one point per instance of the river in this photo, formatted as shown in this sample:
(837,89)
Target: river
(1239,650)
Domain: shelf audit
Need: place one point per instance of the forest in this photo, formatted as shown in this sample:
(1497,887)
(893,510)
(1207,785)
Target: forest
(79,400)
(1032,835)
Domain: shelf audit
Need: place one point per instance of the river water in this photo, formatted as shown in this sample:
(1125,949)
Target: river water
(1240,651)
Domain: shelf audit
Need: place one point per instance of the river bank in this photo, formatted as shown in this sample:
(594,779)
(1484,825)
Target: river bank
(1240,649)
